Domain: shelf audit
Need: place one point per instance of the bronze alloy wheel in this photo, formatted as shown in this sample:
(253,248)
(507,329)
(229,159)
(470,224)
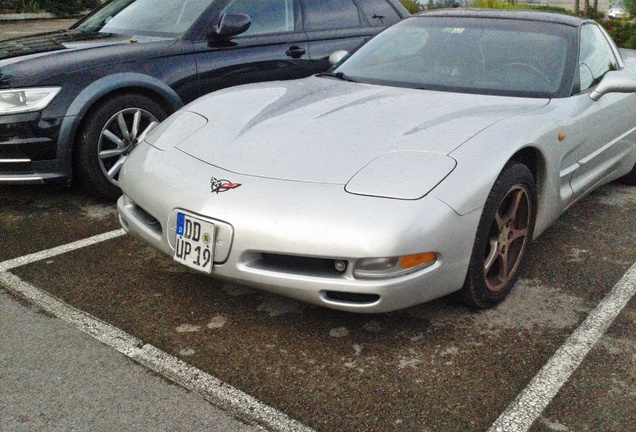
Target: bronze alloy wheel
(508,238)
(503,235)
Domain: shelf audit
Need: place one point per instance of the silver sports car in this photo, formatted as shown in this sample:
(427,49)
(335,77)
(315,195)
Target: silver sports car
(423,164)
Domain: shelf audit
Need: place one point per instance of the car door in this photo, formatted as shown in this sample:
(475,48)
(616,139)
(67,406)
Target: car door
(274,47)
(604,124)
(333,25)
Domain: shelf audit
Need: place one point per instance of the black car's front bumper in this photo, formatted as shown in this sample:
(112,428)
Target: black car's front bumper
(29,151)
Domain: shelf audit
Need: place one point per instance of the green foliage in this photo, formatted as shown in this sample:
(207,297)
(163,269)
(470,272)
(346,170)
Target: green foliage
(28,6)
(69,7)
(440,4)
(630,6)
(491,4)
(622,31)
(506,4)
(411,5)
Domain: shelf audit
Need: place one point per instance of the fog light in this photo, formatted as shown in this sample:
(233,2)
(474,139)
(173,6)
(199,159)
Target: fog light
(341,265)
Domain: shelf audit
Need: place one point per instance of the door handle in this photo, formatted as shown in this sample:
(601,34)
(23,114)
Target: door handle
(295,52)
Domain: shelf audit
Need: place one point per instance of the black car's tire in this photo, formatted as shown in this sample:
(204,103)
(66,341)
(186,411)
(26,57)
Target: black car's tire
(503,235)
(108,134)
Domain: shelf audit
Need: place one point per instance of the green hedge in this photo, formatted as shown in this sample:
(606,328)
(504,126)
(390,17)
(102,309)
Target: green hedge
(61,8)
(68,7)
(622,31)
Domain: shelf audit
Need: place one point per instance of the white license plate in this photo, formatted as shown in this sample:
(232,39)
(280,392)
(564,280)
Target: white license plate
(195,243)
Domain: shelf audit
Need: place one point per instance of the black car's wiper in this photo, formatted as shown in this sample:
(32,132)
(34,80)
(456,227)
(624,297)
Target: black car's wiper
(339,75)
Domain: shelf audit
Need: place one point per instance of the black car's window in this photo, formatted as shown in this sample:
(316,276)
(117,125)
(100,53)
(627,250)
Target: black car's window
(379,12)
(331,14)
(487,56)
(596,57)
(267,16)
(145,17)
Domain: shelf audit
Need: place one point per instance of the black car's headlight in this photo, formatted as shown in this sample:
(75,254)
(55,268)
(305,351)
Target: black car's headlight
(16,101)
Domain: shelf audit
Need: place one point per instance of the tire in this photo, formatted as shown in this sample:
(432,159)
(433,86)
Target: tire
(108,135)
(505,230)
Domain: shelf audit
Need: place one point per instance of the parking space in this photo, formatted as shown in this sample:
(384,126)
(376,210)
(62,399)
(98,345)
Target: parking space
(434,367)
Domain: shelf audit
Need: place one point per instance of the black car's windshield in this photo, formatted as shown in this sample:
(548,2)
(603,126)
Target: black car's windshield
(145,17)
(471,55)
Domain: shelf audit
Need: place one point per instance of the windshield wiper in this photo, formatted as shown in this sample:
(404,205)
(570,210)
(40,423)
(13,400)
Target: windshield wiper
(339,75)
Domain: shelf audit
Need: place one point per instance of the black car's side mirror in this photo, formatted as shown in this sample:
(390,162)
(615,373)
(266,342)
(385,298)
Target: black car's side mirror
(229,26)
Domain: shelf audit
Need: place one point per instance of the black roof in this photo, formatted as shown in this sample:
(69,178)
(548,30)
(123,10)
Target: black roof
(523,15)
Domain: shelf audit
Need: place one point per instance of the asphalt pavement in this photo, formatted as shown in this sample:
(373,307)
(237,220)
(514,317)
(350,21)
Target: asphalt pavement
(54,377)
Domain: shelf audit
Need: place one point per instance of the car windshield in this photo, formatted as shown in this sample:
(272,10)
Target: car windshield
(469,55)
(145,17)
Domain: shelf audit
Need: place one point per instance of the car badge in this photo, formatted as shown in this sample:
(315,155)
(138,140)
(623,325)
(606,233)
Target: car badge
(222,185)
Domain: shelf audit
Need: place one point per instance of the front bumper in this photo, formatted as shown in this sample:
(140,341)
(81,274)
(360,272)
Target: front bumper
(285,237)
(29,151)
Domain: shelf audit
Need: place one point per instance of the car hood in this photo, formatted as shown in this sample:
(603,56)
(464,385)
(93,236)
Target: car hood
(326,131)
(63,40)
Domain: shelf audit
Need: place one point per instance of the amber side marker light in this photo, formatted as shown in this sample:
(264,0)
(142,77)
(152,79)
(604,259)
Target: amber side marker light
(411,261)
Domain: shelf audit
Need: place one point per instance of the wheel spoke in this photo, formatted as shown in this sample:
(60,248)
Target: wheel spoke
(492,257)
(114,170)
(518,199)
(504,272)
(113,138)
(142,136)
(123,127)
(135,125)
(518,233)
(106,154)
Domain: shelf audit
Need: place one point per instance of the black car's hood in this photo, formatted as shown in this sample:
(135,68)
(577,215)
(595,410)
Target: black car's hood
(33,60)
(55,41)
(63,40)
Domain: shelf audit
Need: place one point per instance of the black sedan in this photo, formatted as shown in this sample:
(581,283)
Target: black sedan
(76,102)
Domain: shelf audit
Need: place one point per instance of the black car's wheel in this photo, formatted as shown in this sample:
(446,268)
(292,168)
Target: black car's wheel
(504,233)
(107,137)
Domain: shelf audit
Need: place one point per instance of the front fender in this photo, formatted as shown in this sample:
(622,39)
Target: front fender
(99,89)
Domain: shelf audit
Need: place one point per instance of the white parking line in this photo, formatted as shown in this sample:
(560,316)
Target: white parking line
(28,259)
(529,405)
(210,388)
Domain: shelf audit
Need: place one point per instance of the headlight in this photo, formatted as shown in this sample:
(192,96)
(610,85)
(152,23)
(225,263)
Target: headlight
(406,175)
(382,268)
(175,129)
(17,101)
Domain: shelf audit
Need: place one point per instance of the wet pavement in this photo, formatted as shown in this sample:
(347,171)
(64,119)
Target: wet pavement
(57,378)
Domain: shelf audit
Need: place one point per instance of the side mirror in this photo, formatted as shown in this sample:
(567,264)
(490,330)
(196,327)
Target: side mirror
(229,26)
(614,82)
(337,57)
